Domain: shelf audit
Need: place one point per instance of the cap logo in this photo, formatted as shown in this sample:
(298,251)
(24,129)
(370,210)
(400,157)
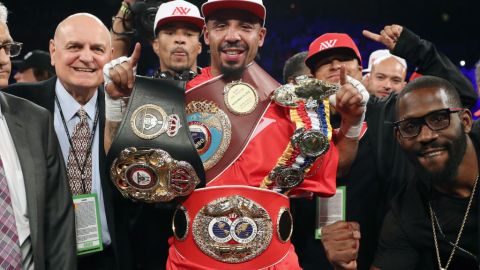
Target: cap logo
(181,11)
(327,44)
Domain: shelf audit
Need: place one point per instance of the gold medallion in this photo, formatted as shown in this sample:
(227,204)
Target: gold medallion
(240,98)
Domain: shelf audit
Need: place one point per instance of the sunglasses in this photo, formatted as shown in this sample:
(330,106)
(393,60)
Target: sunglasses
(436,120)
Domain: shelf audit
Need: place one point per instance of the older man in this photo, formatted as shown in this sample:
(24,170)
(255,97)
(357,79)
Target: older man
(37,218)
(79,49)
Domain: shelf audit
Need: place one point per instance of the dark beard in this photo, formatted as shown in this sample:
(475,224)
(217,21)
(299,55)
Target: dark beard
(232,73)
(456,152)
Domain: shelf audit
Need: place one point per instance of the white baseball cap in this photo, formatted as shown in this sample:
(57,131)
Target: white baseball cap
(178,11)
(380,55)
(254,6)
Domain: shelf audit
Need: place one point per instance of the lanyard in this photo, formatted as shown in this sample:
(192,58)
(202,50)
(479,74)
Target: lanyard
(92,137)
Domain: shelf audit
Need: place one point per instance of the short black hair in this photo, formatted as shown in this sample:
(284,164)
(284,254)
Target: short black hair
(294,64)
(432,82)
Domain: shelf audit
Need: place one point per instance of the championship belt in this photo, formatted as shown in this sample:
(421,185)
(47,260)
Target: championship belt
(223,114)
(233,227)
(309,106)
(152,157)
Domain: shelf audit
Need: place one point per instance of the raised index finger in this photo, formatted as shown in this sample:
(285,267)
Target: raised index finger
(372,36)
(135,54)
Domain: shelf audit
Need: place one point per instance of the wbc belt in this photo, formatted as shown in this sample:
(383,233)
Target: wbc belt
(152,157)
(233,227)
(223,114)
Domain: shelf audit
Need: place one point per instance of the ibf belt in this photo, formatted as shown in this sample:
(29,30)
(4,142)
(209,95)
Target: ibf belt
(223,114)
(152,157)
(233,227)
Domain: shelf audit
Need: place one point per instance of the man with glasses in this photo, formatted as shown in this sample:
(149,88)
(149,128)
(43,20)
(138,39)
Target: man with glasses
(433,222)
(434,132)
(10,49)
(36,212)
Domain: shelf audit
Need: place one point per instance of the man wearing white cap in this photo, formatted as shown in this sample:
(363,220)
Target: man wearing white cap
(177,29)
(386,73)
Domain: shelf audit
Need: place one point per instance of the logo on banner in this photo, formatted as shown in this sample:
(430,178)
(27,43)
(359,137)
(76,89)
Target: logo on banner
(328,44)
(181,11)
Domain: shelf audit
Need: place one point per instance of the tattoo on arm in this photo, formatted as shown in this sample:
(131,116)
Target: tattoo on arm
(111,130)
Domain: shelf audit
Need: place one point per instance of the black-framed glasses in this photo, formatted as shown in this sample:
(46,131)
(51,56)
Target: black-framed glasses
(12,49)
(436,120)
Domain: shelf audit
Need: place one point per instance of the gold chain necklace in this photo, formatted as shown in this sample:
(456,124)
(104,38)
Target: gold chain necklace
(432,214)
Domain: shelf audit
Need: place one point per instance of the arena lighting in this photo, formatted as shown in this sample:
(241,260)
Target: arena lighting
(462,63)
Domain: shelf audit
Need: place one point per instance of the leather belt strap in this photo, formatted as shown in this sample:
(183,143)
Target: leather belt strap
(169,95)
(200,239)
(243,126)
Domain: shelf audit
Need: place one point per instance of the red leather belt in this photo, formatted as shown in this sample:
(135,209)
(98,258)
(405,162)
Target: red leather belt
(233,227)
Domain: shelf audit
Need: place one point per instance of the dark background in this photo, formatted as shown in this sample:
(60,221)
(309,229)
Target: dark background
(453,25)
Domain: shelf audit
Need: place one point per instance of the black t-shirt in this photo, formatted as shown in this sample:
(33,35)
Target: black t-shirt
(406,239)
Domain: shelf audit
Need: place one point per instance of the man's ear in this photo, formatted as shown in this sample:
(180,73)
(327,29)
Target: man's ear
(398,136)
(206,34)
(51,48)
(466,119)
(155,46)
(262,33)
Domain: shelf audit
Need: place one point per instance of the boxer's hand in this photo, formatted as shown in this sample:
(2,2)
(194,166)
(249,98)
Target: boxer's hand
(388,36)
(350,102)
(119,74)
(341,241)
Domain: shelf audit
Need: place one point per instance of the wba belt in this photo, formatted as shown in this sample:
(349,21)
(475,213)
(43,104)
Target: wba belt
(223,114)
(233,227)
(152,157)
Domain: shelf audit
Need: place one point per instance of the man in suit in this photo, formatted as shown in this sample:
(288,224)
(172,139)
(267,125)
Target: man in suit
(37,216)
(79,49)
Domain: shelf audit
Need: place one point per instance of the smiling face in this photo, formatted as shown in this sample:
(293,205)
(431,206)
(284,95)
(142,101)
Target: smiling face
(5,64)
(79,50)
(177,46)
(234,37)
(436,154)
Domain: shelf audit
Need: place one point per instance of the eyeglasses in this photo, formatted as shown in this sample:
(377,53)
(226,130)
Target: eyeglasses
(12,49)
(436,120)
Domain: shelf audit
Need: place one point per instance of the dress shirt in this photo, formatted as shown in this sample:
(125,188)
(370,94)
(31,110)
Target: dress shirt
(69,108)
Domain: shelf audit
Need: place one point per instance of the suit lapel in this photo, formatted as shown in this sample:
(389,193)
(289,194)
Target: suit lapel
(19,135)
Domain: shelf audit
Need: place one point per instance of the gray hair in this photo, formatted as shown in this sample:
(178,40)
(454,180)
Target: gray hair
(3,13)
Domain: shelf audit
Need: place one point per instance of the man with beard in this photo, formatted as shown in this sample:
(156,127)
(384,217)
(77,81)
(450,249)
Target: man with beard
(433,222)
(380,168)
(235,31)
(177,29)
